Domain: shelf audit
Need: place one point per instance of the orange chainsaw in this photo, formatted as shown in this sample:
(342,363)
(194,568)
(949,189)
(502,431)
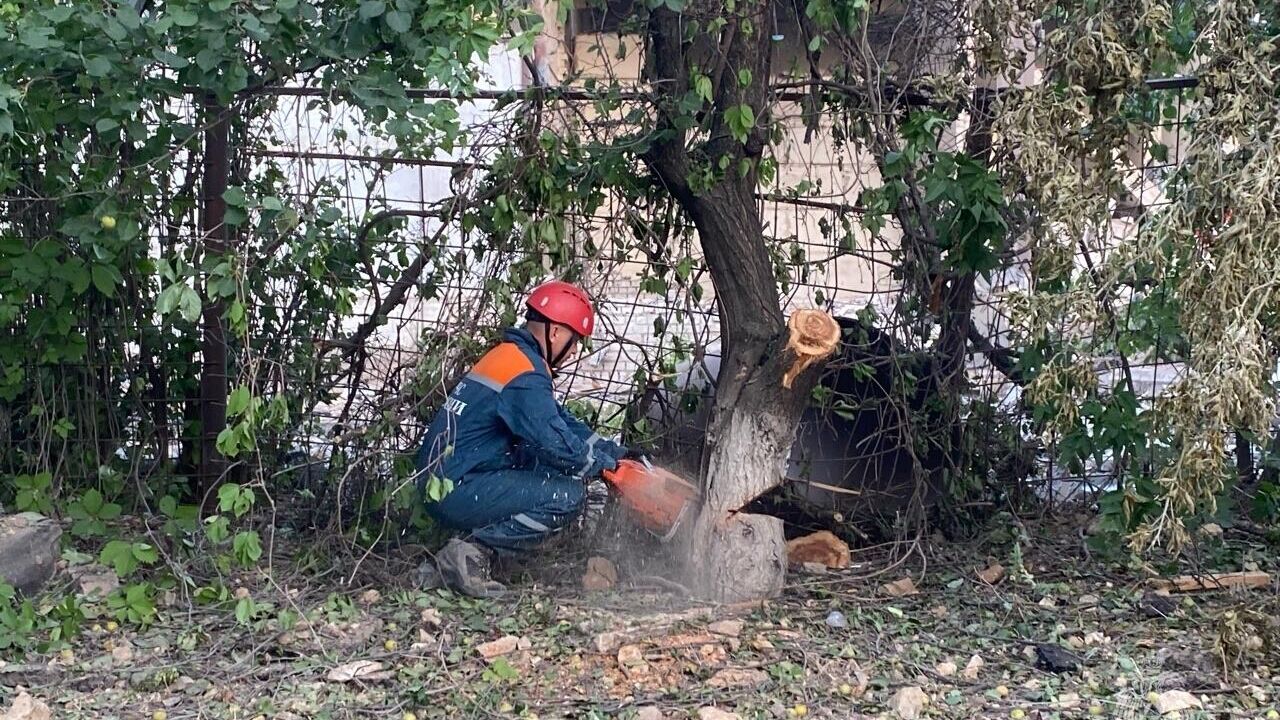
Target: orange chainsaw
(659,499)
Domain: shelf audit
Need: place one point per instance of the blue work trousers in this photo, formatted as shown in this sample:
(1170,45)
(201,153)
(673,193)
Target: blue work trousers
(511,511)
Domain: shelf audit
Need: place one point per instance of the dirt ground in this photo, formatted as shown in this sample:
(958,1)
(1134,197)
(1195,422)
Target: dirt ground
(1063,634)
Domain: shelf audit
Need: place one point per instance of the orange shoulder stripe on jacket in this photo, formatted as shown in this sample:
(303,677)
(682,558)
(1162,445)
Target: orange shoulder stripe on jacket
(501,365)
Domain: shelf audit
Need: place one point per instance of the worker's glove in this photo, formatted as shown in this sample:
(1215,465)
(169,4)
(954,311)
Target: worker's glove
(634,454)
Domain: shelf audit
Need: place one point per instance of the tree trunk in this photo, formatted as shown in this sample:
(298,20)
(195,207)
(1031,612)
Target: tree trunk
(213,336)
(732,556)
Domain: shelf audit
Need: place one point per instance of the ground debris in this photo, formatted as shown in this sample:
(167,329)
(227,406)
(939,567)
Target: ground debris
(26,707)
(496,648)
(601,575)
(1172,701)
(1247,580)
(728,628)
(366,670)
(909,702)
(973,668)
(738,677)
(899,588)
(1055,658)
(712,713)
(992,574)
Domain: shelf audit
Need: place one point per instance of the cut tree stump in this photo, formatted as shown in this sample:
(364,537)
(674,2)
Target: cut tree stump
(28,550)
(734,556)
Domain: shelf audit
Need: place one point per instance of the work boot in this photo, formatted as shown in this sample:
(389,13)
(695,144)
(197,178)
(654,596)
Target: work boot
(467,568)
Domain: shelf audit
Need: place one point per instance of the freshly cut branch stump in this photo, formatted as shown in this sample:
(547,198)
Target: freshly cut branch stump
(813,336)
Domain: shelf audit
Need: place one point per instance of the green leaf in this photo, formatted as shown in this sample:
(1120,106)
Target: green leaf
(238,401)
(36,38)
(106,124)
(97,66)
(208,58)
(91,501)
(247,548)
(372,9)
(702,85)
(235,197)
(183,17)
(399,21)
(177,62)
(105,278)
(167,302)
(744,77)
(244,610)
(740,120)
(57,14)
(145,553)
(189,305)
(119,555)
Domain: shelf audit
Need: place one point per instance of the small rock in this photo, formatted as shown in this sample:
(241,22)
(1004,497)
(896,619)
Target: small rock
(711,713)
(940,611)
(648,712)
(761,643)
(837,620)
(601,575)
(608,641)
(496,648)
(370,597)
(946,669)
(822,547)
(1211,530)
(1096,638)
(94,580)
(992,574)
(973,668)
(899,588)
(631,660)
(908,702)
(28,550)
(431,616)
(728,628)
(122,652)
(1068,701)
(26,707)
(630,655)
(1076,642)
(1047,602)
(738,677)
(1171,701)
(1088,600)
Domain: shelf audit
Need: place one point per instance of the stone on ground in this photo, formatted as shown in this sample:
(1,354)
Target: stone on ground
(28,550)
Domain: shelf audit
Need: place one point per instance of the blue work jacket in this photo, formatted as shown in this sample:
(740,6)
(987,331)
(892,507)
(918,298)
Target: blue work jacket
(504,415)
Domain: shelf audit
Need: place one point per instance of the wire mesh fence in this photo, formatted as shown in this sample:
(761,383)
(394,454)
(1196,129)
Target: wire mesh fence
(372,334)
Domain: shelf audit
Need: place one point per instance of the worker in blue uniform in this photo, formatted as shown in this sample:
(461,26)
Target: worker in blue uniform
(518,460)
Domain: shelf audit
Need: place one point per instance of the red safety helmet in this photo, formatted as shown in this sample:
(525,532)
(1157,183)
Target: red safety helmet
(566,304)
